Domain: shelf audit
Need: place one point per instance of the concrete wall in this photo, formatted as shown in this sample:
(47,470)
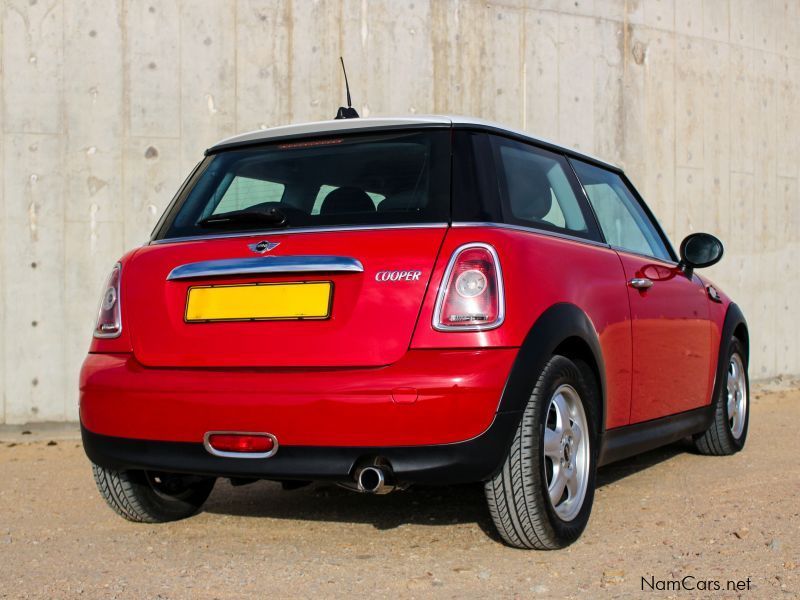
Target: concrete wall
(106,105)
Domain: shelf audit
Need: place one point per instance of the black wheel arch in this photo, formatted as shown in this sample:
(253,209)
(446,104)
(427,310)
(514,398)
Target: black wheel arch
(561,329)
(733,326)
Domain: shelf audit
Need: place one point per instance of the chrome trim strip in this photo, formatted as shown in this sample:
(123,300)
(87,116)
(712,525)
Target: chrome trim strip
(501,299)
(564,236)
(274,232)
(222,453)
(666,261)
(267,264)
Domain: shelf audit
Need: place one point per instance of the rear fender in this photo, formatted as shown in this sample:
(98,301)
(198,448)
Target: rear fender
(556,325)
(734,324)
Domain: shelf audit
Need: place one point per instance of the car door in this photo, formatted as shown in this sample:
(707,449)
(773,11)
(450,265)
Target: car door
(670,326)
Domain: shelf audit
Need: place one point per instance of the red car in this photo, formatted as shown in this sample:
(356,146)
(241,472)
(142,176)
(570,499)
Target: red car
(384,302)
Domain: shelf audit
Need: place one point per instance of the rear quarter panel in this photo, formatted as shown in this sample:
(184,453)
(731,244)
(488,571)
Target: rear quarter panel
(540,270)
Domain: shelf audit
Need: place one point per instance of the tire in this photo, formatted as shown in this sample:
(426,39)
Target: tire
(145,497)
(518,496)
(728,430)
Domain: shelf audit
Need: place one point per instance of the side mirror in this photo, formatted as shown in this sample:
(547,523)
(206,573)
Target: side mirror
(699,250)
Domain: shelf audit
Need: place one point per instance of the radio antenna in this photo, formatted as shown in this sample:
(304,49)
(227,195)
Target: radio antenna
(346,112)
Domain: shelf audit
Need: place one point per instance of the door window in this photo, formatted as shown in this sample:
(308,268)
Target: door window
(623,221)
(537,192)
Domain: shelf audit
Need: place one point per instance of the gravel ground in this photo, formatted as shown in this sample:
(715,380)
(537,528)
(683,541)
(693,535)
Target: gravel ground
(666,514)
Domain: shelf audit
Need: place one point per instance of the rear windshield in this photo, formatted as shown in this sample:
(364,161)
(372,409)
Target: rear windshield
(384,179)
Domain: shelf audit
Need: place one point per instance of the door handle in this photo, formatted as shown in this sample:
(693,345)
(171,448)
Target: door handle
(641,283)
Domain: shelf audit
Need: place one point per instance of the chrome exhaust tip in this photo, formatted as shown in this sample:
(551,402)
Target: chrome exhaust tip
(374,480)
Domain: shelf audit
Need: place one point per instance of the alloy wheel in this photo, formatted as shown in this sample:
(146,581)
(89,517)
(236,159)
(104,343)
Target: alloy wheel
(566,452)
(737,396)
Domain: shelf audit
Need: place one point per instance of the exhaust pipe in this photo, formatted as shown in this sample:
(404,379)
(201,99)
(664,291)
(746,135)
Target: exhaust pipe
(374,480)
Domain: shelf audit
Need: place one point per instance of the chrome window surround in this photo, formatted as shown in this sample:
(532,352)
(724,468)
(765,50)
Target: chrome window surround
(224,454)
(670,262)
(268,232)
(267,264)
(525,229)
(273,232)
(501,300)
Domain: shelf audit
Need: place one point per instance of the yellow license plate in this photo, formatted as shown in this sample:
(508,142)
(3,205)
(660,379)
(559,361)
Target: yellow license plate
(259,301)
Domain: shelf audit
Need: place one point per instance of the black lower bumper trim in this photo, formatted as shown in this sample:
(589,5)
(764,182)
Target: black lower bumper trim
(473,460)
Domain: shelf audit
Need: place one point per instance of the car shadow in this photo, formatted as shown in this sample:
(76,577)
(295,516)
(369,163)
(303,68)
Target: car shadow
(630,466)
(418,505)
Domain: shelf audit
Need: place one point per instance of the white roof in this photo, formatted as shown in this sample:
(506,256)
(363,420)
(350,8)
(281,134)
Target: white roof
(373,123)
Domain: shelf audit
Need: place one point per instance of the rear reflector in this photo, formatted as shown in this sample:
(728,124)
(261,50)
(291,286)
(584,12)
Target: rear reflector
(240,445)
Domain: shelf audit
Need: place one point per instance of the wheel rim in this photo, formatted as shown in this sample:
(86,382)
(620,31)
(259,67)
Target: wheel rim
(737,396)
(566,452)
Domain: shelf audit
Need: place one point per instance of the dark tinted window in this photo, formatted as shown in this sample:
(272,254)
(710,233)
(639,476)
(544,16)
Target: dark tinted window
(349,180)
(475,192)
(537,190)
(624,223)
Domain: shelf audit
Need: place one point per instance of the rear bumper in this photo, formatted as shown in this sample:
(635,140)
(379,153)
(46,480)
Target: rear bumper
(445,464)
(426,398)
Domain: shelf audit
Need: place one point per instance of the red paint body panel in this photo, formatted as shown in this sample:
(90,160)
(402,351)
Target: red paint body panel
(371,321)
(457,392)
(540,270)
(716,316)
(671,340)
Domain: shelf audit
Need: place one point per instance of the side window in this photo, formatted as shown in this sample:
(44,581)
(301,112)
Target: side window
(624,223)
(244,192)
(536,190)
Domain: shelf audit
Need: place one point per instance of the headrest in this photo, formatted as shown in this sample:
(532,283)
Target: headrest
(530,195)
(400,201)
(347,200)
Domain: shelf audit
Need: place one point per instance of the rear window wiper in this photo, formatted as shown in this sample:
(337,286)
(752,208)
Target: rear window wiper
(272,216)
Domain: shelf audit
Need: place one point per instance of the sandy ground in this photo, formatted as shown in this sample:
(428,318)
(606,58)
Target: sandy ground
(666,514)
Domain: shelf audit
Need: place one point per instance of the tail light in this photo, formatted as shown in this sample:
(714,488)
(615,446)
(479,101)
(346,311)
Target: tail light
(471,297)
(109,317)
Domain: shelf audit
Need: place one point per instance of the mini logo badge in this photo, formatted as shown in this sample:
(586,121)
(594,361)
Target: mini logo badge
(263,246)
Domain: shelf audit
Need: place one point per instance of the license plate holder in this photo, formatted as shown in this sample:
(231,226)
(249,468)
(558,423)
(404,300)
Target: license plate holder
(281,301)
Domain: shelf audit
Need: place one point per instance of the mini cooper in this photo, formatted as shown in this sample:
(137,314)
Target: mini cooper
(385,302)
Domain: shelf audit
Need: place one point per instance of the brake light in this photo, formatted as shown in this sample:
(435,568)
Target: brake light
(109,317)
(471,297)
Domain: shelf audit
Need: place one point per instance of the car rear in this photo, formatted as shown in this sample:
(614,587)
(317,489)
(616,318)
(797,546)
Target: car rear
(275,311)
